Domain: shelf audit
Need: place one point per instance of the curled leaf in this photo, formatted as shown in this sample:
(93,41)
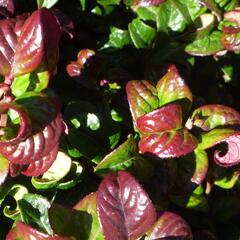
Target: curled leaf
(171,87)
(165,118)
(169,225)
(124,208)
(168,144)
(208,117)
(232,156)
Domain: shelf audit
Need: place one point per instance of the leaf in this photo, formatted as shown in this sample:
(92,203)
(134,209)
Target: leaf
(227,4)
(142,98)
(24,232)
(46,3)
(124,209)
(55,174)
(169,225)
(165,118)
(232,156)
(4,168)
(211,5)
(171,87)
(208,117)
(34,211)
(143,3)
(70,222)
(38,40)
(118,38)
(89,204)
(175,15)
(38,151)
(213,137)
(168,144)
(208,45)
(192,171)
(125,157)
(141,34)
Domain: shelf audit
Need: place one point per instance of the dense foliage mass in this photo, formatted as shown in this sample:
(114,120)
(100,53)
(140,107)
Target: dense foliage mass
(119,119)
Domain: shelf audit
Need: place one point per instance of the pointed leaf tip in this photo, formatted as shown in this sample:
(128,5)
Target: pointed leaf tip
(124,208)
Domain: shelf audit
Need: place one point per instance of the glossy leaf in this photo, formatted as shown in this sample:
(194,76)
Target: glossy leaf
(53,176)
(171,87)
(125,157)
(89,204)
(169,225)
(143,3)
(8,4)
(34,211)
(124,209)
(38,40)
(168,144)
(175,15)
(208,45)
(208,117)
(70,222)
(142,35)
(23,231)
(38,151)
(165,118)
(142,98)
(4,168)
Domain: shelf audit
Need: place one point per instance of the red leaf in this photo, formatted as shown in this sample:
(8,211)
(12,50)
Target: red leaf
(169,225)
(232,156)
(165,118)
(168,144)
(38,40)
(124,208)
(8,4)
(23,231)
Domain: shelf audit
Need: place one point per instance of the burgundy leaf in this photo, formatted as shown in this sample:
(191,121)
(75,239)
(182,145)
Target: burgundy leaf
(169,225)
(208,117)
(124,208)
(73,69)
(232,156)
(165,118)
(8,42)
(142,98)
(171,87)
(168,144)
(38,40)
(23,231)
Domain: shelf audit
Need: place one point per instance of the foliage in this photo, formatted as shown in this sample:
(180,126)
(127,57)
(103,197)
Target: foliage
(119,119)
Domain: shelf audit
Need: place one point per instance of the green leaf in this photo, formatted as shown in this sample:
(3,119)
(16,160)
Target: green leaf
(205,46)
(89,205)
(141,34)
(172,87)
(191,201)
(34,212)
(70,222)
(118,38)
(175,15)
(46,3)
(50,179)
(108,2)
(215,136)
(147,13)
(125,157)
